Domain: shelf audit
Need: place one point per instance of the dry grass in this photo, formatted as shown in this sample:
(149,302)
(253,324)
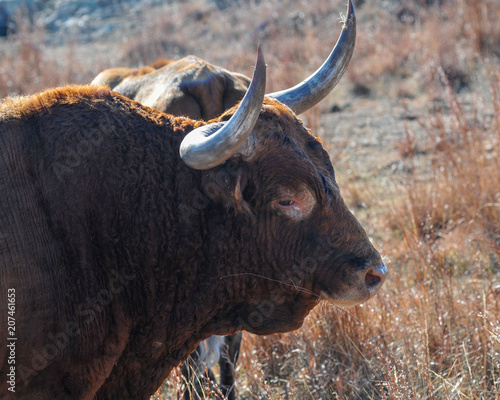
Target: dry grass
(434,331)
(27,64)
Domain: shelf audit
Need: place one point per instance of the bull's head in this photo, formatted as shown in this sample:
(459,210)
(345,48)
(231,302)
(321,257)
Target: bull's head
(281,185)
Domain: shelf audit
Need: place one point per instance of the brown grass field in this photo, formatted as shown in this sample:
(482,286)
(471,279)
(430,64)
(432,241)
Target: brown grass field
(416,146)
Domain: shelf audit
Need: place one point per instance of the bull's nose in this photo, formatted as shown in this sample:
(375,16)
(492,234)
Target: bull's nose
(375,277)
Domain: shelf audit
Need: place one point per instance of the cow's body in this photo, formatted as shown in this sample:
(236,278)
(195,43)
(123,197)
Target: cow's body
(189,86)
(115,76)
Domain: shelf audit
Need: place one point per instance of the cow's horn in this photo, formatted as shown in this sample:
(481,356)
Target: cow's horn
(311,91)
(211,145)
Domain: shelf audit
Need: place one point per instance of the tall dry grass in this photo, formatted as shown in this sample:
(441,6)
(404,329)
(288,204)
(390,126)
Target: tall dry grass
(28,65)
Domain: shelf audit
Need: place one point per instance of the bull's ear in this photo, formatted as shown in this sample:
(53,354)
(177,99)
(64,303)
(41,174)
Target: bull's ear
(226,185)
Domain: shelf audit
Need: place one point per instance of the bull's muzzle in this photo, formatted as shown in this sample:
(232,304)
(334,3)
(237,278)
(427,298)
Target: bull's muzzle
(355,285)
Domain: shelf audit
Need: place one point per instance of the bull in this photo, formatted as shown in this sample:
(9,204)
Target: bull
(189,86)
(127,235)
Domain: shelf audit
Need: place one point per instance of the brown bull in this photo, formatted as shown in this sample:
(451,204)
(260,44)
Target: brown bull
(190,86)
(127,235)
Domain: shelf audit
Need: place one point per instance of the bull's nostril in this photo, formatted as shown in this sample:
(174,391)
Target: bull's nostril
(375,277)
(372,280)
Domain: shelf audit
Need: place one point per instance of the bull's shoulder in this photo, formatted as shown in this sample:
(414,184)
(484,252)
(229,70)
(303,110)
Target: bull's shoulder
(39,103)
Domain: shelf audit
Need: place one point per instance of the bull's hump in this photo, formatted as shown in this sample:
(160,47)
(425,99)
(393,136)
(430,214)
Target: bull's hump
(40,102)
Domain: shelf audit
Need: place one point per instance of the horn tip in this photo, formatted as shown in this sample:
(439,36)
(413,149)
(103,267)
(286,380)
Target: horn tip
(350,10)
(349,22)
(261,62)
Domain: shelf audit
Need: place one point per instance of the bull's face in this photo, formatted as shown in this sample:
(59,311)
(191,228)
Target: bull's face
(296,240)
(299,190)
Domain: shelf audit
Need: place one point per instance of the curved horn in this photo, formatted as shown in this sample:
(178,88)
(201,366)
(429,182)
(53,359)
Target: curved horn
(211,145)
(311,91)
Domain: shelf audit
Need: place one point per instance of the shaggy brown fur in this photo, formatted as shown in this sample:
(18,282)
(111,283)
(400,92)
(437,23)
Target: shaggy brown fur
(123,258)
(190,86)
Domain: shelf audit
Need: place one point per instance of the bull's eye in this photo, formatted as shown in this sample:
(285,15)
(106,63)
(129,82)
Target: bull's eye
(296,204)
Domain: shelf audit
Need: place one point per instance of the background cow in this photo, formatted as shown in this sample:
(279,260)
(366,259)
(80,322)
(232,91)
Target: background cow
(198,373)
(192,87)
(119,273)
(114,76)
(189,86)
